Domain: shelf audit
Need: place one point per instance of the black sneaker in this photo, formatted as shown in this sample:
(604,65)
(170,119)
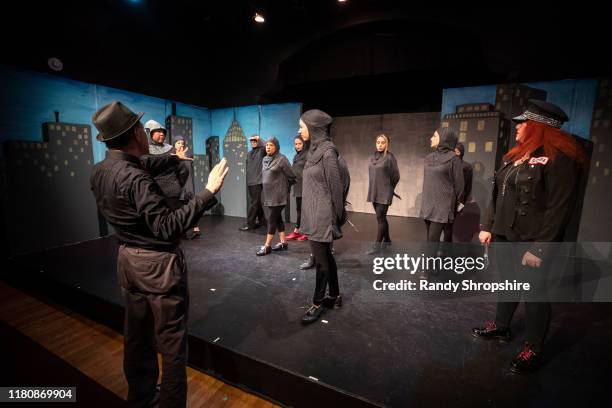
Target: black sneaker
(527,361)
(312,314)
(281,246)
(491,331)
(246,228)
(333,302)
(263,250)
(308,264)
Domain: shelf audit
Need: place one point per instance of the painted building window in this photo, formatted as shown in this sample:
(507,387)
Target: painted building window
(463,126)
(481,125)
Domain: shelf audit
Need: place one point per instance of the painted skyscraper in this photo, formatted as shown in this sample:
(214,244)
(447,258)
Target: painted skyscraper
(233,194)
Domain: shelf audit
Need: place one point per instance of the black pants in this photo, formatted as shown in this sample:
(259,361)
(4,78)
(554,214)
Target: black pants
(298,208)
(383,225)
(275,220)
(537,313)
(154,287)
(434,232)
(435,229)
(256,212)
(327,271)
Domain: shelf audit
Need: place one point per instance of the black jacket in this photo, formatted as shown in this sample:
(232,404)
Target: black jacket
(134,205)
(544,200)
(253,163)
(277,177)
(383,178)
(468,176)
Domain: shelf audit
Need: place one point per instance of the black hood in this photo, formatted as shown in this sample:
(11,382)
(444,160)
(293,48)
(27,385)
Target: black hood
(445,151)
(448,140)
(274,141)
(318,123)
(461,149)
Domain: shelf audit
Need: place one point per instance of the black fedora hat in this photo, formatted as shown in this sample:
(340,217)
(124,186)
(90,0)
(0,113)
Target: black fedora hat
(543,112)
(113,120)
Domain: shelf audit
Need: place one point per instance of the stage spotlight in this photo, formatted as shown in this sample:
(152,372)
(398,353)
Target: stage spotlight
(55,64)
(259,18)
(341,1)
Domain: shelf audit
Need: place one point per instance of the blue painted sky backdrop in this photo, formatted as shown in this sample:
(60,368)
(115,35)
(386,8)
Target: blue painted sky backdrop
(28,99)
(575,97)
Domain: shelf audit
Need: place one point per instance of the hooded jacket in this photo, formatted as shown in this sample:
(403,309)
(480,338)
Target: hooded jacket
(383,177)
(253,163)
(277,177)
(443,182)
(323,186)
(299,160)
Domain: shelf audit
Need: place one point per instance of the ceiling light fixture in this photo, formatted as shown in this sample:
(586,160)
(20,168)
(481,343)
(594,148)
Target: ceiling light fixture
(259,18)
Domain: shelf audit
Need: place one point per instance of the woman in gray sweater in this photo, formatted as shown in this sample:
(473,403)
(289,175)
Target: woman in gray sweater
(383,178)
(277,178)
(442,188)
(322,208)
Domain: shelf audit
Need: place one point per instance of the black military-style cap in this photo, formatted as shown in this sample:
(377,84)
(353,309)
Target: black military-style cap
(543,112)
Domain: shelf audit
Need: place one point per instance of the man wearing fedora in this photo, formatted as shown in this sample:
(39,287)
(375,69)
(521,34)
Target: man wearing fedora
(151,268)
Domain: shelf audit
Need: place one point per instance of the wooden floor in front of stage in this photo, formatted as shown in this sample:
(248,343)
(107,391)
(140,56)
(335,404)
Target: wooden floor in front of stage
(95,351)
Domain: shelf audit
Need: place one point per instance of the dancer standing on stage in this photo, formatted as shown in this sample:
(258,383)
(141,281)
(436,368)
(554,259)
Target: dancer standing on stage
(277,177)
(534,194)
(468,173)
(255,214)
(443,187)
(299,160)
(383,178)
(151,268)
(323,211)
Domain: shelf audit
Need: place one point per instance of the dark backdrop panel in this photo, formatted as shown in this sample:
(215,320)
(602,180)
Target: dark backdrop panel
(409,135)
(596,221)
(49,201)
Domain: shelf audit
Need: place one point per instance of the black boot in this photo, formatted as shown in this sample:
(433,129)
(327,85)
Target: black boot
(308,264)
(263,250)
(333,302)
(491,331)
(526,361)
(313,314)
(281,246)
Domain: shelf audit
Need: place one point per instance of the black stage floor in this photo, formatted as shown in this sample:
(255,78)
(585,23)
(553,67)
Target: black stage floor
(386,349)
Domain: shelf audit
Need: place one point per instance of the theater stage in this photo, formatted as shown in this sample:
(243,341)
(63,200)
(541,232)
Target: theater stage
(380,349)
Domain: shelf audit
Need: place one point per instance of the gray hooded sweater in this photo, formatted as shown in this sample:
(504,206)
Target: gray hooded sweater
(443,180)
(322,183)
(277,177)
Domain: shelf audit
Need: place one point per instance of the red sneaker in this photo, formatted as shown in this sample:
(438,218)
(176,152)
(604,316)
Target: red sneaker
(302,237)
(292,236)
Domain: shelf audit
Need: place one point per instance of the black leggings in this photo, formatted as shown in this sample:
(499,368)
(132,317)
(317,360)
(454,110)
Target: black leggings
(435,229)
(434,232)
(537,313)
(275,221)
(327,271)
(298,208)
(383,225)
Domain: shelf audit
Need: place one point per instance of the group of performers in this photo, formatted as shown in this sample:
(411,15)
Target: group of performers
(141,188)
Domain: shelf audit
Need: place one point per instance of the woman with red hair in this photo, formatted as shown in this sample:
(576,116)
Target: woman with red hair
(533,197)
